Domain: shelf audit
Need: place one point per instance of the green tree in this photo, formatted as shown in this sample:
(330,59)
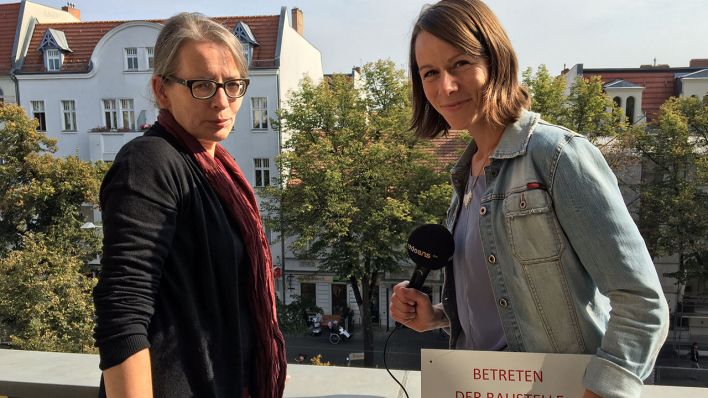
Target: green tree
(674,201)
(357,181)
(547,93)
(588,111)
(45,299)
(585,110)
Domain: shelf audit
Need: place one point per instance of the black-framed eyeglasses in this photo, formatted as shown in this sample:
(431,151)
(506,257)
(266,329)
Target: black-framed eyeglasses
(205,89)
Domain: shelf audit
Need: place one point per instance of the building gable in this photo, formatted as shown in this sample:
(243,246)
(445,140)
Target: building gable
(54,39)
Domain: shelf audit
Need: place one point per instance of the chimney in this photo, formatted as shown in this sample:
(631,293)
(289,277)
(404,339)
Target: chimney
(298,22)
(71,9)
(699,63)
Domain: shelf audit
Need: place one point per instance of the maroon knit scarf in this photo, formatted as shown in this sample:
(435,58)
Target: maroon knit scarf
(226,178)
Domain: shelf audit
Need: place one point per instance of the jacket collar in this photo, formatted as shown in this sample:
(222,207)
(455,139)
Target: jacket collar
(513,143)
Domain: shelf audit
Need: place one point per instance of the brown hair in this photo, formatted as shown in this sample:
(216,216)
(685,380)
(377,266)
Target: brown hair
(473,28)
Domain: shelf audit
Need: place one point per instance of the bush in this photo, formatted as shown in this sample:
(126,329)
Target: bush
(293,317)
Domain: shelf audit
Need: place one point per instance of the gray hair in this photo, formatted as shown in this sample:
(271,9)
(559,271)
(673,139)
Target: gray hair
(193,26)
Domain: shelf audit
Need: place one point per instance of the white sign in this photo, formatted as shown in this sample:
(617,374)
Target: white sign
(494,374)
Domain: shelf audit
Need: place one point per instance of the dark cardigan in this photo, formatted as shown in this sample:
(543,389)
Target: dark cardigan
(173,273)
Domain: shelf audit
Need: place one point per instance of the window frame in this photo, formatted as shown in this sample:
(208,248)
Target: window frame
(52,59)
(112,111)
(150,58)
(262,118)
(131,57)
(129,112)
(261,172)
(72,115)
(43,112)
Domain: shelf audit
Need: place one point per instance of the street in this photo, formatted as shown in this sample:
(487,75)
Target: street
(403,350)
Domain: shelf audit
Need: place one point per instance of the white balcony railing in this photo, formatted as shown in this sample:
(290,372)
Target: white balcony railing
(105,145)
(32,374)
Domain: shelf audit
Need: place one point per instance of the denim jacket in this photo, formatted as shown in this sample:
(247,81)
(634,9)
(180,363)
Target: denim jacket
(569,270)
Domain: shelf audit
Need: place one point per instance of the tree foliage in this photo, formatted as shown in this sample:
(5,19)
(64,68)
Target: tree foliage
(292,317)
(45,300)
(674,210)
(585,110)
(356,181)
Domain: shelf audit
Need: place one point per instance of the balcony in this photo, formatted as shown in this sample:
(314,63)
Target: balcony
(32,374)
(105,145)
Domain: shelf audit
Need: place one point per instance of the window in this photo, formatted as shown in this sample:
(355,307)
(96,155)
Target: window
(307,293)
(629,110)
(247,52)
(262,167)
(618,101)
(127,114)
(131,58)
(150,54)
(244,34)
(53,59)
(38,113)
(110,114)
(259,112)
(68,110)
(119,114)
(339,298)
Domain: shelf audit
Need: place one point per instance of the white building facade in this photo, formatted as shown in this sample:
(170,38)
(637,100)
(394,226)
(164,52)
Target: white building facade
(88,84)
(16,20)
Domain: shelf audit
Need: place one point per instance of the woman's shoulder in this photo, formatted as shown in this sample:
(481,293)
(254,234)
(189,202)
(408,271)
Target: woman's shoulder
(156,144)
(156,155)
(550,133)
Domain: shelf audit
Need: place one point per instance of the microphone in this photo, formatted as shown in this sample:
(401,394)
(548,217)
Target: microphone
(431,247)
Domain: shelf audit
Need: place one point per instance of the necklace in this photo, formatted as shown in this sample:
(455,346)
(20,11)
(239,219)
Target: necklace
(467,199)
(468,195)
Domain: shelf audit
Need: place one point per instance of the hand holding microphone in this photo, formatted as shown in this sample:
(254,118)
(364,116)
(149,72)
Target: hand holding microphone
(431,247)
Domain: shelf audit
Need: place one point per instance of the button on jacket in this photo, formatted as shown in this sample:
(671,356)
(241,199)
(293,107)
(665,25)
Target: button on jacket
(569,270)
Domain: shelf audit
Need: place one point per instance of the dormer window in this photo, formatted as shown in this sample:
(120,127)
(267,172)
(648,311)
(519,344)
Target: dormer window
(52,57)
(54,46)
(248,41)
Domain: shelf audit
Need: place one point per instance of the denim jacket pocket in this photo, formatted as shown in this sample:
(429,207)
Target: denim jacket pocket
(531,226)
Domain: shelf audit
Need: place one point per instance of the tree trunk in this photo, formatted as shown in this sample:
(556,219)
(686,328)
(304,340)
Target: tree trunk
(363,299)
(366,323)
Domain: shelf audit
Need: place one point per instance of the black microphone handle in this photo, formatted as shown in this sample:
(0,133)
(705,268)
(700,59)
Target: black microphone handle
(418,277)
(416,282)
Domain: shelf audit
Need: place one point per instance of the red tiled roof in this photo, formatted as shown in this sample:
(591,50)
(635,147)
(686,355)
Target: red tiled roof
(265,30)
(8,26)
(83,37)
(447,149)
(658,86)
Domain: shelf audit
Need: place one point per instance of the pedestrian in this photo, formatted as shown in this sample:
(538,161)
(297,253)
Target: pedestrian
(547,257)
(185,303)
(695,356)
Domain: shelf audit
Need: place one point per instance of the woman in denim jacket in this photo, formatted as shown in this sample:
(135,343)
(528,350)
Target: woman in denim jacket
(547,257)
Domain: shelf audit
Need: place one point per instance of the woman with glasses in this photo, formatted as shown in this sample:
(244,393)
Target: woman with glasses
(185,299)
(547,257)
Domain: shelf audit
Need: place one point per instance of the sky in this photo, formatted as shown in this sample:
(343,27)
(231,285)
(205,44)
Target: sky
(557,33)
